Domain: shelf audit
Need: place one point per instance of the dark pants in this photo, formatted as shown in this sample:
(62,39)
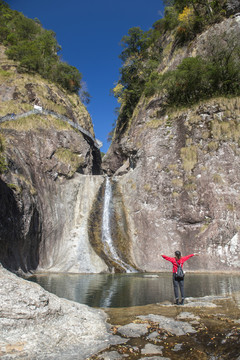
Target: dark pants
(178,283)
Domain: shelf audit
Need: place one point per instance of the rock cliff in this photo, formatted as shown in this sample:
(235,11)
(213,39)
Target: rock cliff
(46,183)
(179,173)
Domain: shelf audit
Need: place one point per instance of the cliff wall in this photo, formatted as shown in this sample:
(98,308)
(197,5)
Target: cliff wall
(45,185)
(179,173)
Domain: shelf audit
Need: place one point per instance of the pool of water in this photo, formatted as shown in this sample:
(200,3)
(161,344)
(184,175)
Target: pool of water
(126,290)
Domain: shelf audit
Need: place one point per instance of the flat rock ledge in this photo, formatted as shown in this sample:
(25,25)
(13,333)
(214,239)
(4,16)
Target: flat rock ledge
(175,327)
(37,325)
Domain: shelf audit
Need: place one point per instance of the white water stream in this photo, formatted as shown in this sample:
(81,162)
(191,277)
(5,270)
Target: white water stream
(107,241)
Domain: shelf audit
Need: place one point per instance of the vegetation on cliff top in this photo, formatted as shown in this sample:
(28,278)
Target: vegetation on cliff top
(212,74)
(36,49)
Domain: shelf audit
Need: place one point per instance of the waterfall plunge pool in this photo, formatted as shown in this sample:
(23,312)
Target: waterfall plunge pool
(127,290)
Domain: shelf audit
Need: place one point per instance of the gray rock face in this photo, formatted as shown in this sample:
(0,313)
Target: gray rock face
(47,202)
(187,316)
(183,192)
(156,358)
(35,324)
(152,349)
(182,188)
(112,355)
(133,330)
(69,211)
(233,7)
(46,194)
(175,327)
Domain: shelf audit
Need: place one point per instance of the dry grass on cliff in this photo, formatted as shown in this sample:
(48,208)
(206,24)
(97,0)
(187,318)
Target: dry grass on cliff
(10,107)
(4,75)
(36,122)
(70,158)
(189,157)
(230,105)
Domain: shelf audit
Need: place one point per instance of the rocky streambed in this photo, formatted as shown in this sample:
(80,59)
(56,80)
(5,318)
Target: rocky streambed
(37,325)
(206,328)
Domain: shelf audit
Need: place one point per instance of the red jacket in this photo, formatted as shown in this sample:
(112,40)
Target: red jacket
(176,263)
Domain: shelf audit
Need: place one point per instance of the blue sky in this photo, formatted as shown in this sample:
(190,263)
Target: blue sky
(90,32)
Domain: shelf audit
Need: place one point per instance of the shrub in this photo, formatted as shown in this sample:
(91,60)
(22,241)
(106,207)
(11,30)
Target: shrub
(198,78)
(35,49)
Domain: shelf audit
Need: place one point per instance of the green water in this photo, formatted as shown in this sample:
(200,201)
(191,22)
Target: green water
(126,290)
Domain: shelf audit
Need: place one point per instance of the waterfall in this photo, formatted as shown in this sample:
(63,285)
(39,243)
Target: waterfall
(108,245)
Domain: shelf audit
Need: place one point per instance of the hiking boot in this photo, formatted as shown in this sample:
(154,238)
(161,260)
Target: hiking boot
(182,302)
(176,302)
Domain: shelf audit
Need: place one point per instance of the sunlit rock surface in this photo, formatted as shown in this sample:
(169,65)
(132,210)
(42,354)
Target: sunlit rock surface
(38,325)
(178,171)
(172,332)
(70,207)
(47,190)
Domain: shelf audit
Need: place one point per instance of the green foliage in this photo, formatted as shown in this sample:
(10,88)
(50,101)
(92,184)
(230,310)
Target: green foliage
(203,14)
(35,49)
(198,78)
(67,76)
(134,44)
(139,58)
(194,79)
(169,21)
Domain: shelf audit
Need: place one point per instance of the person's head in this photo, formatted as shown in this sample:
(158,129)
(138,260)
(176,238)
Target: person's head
(178,254)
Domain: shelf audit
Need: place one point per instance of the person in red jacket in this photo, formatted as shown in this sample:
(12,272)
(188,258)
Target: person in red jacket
(178,283)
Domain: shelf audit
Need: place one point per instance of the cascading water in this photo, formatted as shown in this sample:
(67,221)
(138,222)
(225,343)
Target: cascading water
(108,245)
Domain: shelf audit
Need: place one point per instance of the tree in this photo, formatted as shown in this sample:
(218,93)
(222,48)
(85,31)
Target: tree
(134,44)
(36,49)
(67,76)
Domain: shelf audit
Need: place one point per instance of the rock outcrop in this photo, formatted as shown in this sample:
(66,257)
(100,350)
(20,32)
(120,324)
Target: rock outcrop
(49,177)
(38,325)
(179,174)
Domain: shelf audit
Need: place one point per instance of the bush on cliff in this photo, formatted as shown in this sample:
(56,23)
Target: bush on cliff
(198,77)
(140,58)
(35,49)
(214,73)
(142,52)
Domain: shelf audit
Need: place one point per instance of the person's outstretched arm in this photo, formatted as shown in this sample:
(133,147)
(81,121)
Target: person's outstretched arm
(168,258)
(185,258)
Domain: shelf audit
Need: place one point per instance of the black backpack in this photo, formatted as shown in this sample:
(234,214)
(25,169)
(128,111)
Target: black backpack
(179,273)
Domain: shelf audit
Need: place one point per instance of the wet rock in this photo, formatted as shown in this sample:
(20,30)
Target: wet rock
(156,358)
(187,316)
(112,355)
(152,349)
(177,347)
(152,336)
(175,327)
(133,330)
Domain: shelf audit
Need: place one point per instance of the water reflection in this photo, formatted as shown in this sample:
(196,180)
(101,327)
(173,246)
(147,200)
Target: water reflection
(124,290)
